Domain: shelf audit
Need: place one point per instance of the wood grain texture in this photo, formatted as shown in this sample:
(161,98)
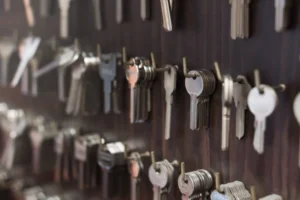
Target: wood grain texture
(202,35)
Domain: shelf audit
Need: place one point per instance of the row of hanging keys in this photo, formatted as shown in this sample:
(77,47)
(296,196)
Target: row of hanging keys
(240,12)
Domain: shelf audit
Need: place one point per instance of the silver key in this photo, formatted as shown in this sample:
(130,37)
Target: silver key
(233,23)
(45,6)
(261,105)
(29,13)
(296,109)
(145,9)
(240,94)
(136,169)
(98,14)
(7,47)
(226,109)
(167,8)
(7,5)
(132,75)
(170,79)
(282,11)
(72,104)
(64,6)
(119,11)
(194,87)
(27,51)
(108,70)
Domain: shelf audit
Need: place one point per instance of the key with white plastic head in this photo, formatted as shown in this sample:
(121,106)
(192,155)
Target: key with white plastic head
(64,6)
(170,79)
(240,94)
(27,51)
(296,108)
(97,4)
(261,104)
(194,86)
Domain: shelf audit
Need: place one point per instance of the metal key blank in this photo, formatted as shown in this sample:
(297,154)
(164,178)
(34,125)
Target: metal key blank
(64,6)
(97,4)
(282,12)
(145,9)
(29,49)
(170,79)
(108,70)
(167,10)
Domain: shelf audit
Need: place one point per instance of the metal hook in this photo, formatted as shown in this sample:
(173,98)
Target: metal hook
(183,172)
(218,72)
(185,69)
(125,151)
(145,154)
(253,193)
(154,161)
(257,80)
(217,181)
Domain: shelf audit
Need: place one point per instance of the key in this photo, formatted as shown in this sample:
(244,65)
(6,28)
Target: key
(282,11)
(227,94)
(27,51)
(161,175)
(241,89)
(45,6)
(107,70)
(29,13)
(74,93)
(136,168)
(64,6)
(7,47)
(97,12)
(233,18)
(145,9)
(42,143)
(261,105)
(59,150)
(119,11)
(7,5)
(272,197)
(296,109)
(194,184)
(166,7)
(110,157)
(132,75)
(194,87)
(209,86)
(170,79)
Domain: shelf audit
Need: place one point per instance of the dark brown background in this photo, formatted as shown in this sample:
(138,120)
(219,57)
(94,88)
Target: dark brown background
(203,36)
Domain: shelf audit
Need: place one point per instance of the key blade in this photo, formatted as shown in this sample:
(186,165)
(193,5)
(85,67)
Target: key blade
(145,9)
(97,12)
(30,49)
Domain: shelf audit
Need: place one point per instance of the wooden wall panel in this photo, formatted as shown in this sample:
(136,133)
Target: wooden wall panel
(203,36)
